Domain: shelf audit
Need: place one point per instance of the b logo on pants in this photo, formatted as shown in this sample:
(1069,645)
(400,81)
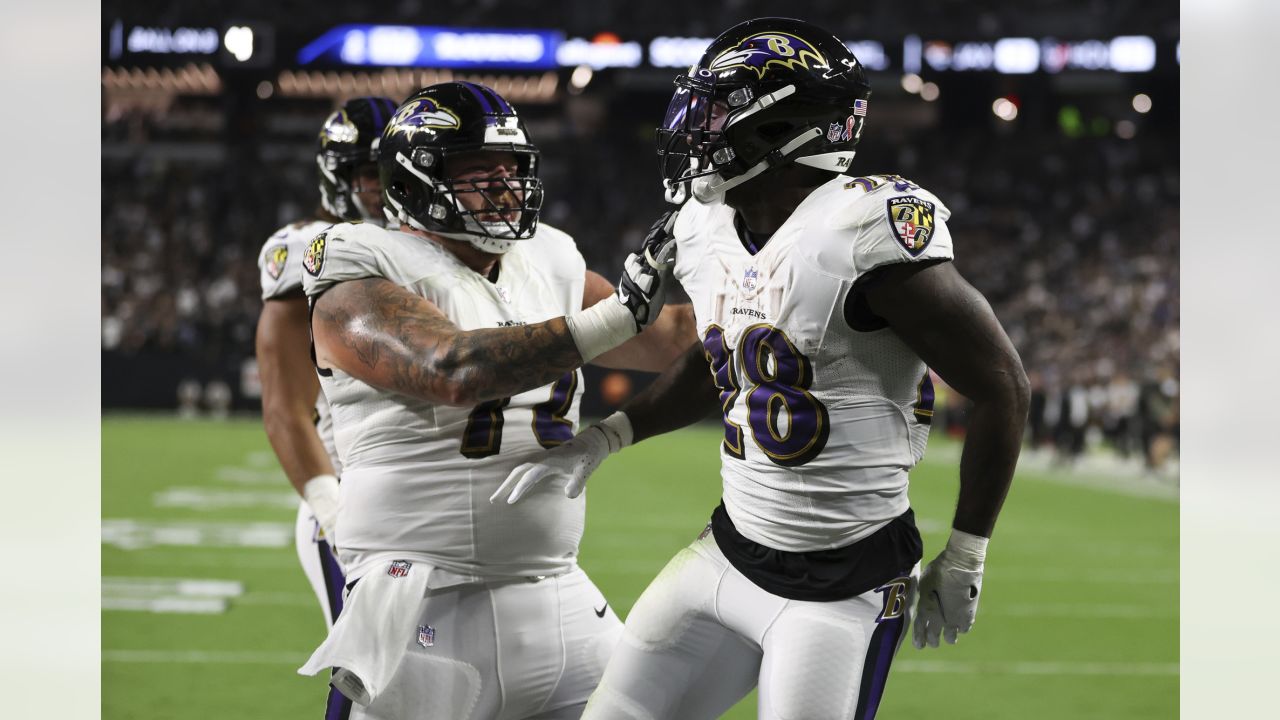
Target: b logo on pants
(895,598)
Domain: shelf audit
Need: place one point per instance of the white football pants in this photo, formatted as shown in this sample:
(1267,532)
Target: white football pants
(702,635)
(525,649)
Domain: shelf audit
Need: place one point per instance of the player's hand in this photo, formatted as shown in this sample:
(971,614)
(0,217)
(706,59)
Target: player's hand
(645,278)
(570,463)
(321,494)
(949,591)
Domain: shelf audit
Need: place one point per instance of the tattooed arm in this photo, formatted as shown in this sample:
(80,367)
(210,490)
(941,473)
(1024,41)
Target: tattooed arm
(388,337)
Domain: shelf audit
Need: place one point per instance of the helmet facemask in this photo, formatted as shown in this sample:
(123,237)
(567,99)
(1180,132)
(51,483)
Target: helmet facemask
(491,213)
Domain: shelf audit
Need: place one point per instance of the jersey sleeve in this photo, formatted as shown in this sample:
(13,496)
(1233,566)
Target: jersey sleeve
(893,225)
(343,252)
(280,265)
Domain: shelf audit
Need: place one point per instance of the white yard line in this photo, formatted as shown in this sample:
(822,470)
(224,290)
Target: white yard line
(130,534)
(198,498)
(206,657)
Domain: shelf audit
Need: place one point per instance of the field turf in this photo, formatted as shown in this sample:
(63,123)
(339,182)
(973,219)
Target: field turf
(1079,613)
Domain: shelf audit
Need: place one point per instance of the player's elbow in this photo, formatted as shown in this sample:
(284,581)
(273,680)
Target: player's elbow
(451,370)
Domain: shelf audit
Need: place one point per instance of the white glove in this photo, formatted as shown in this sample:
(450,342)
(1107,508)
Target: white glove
(321,494)
(949,590)
(572,462)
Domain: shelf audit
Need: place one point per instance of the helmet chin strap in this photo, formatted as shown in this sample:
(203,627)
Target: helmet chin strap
(710,187)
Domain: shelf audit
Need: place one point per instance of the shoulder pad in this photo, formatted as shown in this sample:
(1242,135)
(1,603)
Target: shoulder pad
(891,219)
(347,251)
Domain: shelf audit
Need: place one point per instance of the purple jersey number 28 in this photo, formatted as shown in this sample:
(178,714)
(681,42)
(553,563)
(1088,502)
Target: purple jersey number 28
(779,377)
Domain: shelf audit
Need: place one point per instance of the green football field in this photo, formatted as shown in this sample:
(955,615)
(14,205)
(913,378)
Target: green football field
(206,613)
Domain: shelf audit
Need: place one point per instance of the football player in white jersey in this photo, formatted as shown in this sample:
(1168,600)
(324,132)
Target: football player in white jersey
(820,298)
(448,350)
(294,411)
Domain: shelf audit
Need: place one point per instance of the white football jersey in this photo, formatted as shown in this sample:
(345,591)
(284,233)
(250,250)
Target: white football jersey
(822,422)
(280,273)
(418,475)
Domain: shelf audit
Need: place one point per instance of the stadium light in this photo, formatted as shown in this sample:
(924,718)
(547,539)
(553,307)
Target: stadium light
(1017,56)
(1133,53)
(580,78)
(912,83)
(1125,130)
(1142,103)
(239,42)
(929,92)
(1004,109)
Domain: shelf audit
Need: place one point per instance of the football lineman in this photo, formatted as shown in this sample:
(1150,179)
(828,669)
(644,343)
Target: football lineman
(294,411)
(820,299)
(448,349)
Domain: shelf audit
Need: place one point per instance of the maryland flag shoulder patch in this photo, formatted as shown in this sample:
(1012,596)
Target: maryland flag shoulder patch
(276,258)
(313,258)
(912,221)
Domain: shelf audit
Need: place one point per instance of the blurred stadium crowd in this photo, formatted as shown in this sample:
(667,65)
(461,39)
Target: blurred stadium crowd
(1072,236)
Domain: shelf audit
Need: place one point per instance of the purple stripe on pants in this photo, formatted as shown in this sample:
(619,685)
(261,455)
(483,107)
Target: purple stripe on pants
(333,578)
(338,706)
(888,643)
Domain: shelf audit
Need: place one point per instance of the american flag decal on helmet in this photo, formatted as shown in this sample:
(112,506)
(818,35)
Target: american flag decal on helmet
(399,568)
(860,107)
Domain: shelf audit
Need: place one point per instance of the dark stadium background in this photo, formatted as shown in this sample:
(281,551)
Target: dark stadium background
(1065,216)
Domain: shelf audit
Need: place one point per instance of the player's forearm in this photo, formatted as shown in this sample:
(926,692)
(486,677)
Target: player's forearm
(494,363)
(296,443)
(679,397)
(658,346)
(387,337)
(992,443)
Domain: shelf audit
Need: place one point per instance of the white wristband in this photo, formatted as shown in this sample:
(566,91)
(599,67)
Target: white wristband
(321,494)
(601,327)
(617,431)
(968,551)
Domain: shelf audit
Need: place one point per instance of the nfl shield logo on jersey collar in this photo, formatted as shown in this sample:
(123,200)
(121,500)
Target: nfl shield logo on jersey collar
(399,568)
(749,279)
(426,635)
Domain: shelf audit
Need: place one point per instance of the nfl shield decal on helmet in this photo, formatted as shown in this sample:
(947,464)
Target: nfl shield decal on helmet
(912,221)
(426,635)
(275,261)
(313,258)
(399,568)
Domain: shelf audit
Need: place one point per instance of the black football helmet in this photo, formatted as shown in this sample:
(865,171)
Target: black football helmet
(767,92)
(449,119)
(348,140)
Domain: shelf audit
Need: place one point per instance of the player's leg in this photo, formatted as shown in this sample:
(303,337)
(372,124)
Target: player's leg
(319,564)
(676,659)
(588,630)
(830,660)
(449,670)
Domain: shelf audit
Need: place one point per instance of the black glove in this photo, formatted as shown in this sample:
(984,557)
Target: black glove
(643,287)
